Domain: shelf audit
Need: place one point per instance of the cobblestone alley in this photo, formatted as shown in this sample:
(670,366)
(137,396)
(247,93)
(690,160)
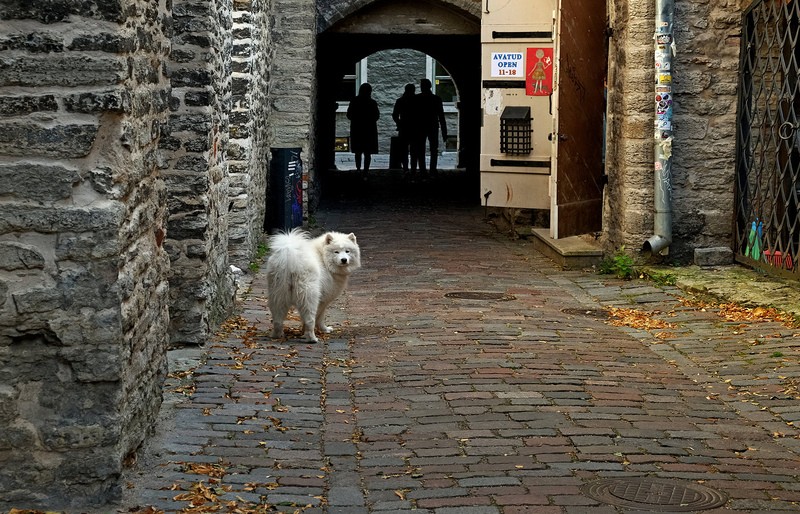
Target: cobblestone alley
(468,375)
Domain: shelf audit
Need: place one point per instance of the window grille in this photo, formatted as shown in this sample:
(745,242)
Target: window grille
(515,131)
(768,139)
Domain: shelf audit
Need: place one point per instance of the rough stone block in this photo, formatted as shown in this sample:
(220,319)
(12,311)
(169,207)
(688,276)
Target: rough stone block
(102,366)
(67,141)
(87,246)
(62,70)
(21,105)
(190,78)
(99,101)
(717,256)
(18,256)
(7,403)
(182,55)
(241,66)
(76,436)
(37,182)
(49,11)
(192,40)
(33,42)
(197,98)
(50,220)
(103,42)
(37,300)
(190,10)
(196,145)
(193,163)
(197,123)
(89,285)
(194,226)
(14,437)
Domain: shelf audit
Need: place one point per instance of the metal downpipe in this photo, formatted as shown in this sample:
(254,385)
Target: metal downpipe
(664,53)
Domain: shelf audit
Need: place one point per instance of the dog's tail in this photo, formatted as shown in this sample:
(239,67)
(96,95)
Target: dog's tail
(287,266)
(290,240)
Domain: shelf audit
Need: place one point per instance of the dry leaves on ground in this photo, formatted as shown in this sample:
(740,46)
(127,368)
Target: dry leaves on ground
(202,468)
(643,320)
(736,313)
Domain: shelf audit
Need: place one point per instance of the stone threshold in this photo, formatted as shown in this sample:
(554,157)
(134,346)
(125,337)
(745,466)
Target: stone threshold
(575,252)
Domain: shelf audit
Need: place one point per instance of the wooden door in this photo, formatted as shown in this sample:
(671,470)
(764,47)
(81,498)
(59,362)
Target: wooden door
(582,57)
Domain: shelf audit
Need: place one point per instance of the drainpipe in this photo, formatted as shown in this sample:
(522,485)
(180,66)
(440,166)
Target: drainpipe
(664,52)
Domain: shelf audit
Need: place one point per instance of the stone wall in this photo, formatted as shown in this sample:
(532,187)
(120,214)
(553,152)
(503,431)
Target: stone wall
(196,168)
(292,83)
(83,274)
(248,152)
(705,87)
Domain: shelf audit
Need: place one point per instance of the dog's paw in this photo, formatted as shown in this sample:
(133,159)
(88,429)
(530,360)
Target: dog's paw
(326,329)
(275,334)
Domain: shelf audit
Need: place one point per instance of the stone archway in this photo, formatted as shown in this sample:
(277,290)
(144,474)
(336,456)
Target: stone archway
(447,31)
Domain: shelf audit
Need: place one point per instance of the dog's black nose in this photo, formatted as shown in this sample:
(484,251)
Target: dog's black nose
(344,260)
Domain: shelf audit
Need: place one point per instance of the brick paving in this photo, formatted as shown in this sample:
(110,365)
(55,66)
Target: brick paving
(421,401)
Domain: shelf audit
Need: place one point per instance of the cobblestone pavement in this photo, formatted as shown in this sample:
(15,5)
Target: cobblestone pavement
(468,375)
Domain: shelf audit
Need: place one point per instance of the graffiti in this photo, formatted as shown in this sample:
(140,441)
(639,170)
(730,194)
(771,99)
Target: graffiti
(574,77)
(665,181)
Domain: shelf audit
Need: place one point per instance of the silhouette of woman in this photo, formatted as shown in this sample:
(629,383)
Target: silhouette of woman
(363,114)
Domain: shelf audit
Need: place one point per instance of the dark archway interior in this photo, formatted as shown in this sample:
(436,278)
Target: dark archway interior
(337,53)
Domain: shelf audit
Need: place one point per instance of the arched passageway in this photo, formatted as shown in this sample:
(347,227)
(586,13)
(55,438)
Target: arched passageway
(450,36)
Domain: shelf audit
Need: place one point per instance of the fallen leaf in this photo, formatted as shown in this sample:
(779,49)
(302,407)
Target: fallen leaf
(636,319)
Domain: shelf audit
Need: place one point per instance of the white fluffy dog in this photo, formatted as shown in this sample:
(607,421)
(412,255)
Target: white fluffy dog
(308,274)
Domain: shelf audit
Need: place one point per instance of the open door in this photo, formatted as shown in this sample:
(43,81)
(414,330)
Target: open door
(577,196)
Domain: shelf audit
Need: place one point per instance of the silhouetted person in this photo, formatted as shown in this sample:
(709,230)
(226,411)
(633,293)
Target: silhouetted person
(363,114)
(430,118)
(403,116)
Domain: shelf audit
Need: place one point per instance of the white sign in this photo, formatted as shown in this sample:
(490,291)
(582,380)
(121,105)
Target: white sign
(508,64)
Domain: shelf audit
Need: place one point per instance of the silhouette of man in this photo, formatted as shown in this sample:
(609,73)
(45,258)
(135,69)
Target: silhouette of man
(403,116)
(430,119)
(363,114)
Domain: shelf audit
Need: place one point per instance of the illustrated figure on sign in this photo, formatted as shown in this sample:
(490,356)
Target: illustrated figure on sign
(537,73)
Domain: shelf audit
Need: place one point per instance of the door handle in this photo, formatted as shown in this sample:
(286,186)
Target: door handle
(561,137)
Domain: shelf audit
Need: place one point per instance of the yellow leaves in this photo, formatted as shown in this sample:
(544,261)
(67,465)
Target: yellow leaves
(278,424)
(202,468)
(200,494)
(233,324)
(186,390)
(205,498)
(736,313)
(637,319)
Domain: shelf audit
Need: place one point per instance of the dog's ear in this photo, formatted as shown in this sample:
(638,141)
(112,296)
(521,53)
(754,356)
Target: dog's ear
(328,238)
(351,237)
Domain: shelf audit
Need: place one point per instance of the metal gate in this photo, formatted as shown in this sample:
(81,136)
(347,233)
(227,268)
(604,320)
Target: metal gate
(768,144)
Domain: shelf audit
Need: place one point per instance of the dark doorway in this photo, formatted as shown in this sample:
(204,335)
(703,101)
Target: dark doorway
(337,54)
